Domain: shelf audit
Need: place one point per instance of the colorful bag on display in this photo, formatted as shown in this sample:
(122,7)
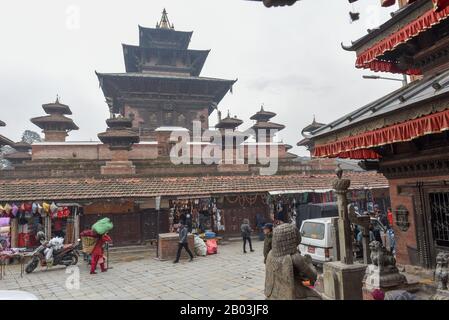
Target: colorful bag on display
(103,226)
(23,240)
(34,207)
(5,222)
(14,210)
(46,208)
(5,230)
(54,208)
(28,208)
(7,208)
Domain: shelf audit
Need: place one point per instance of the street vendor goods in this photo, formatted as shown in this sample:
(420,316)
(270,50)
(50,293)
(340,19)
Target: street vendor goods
(103,226)
(200,247)
(212,246)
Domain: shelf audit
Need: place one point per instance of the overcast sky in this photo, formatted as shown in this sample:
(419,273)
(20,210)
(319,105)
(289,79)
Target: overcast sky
(288,58)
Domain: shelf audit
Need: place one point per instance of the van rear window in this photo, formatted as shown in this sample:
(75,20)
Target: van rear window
(313,230)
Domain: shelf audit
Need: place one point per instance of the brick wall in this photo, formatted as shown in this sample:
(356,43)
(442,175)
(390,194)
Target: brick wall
(168,246)
(90,152)
(408,238)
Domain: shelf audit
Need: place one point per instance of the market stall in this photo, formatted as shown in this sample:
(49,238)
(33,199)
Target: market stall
(21,222)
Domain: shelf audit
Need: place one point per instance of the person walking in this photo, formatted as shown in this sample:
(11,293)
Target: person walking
(246,235)
(98,254)
(183,242)
(268,231)
(390,217)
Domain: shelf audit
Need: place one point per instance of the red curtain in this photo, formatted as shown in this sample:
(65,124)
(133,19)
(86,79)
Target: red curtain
(357,147)
(426,21)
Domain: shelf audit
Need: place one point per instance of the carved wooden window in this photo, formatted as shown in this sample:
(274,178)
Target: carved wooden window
(439,214)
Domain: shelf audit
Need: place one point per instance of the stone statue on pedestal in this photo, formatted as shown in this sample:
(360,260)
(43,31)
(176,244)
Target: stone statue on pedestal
(287,269)
(442,277)
(341,187)
(382,273)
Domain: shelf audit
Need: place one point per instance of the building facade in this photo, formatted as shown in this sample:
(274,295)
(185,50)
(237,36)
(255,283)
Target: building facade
(403,135)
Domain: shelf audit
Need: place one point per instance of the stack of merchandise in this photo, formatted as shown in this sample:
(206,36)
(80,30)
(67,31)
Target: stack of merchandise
(5,233)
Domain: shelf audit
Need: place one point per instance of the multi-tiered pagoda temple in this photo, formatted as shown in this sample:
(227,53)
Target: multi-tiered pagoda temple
(162,86)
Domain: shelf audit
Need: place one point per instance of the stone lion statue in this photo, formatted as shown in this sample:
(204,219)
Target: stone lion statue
(380,256)
(287,269)
(442,270)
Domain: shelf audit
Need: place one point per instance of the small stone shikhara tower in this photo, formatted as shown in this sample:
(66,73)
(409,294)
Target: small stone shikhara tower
(120,139)
(55,125)
(265,129)
(231,137)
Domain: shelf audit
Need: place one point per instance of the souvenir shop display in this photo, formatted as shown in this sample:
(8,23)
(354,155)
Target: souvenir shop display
(29,218)
(197,214)
(5,233)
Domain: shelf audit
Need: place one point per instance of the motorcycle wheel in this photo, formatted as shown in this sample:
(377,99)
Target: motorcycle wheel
(32,265)
(72,260)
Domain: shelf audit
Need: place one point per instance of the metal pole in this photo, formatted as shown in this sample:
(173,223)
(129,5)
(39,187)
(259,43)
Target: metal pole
(157,233)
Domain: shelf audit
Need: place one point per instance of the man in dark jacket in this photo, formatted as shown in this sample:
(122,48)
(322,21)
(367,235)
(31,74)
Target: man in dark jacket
(246,235)
(183,243)
(268,230)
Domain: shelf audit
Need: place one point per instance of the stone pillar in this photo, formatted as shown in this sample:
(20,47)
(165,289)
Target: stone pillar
(343,279)
(341,187)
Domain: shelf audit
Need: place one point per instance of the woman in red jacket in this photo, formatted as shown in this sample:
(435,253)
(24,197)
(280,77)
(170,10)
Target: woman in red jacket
(98,254)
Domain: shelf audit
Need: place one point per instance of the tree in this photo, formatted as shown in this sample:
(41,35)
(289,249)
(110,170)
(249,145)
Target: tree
(5,164)
(30,136)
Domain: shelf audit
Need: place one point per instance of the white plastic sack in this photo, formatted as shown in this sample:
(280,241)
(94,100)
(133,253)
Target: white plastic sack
(200,247)
(49,254)
(56,243)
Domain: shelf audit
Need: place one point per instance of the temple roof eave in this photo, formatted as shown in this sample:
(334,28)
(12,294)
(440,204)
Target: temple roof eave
(199,57)
(398,16)
(417,99)
(114,84)
(41,122)
(5,141)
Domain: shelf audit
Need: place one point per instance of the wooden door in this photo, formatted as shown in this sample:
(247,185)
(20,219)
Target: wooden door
(127,227)
(149,223)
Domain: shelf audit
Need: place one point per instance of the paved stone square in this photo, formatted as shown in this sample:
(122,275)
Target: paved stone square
(229,275)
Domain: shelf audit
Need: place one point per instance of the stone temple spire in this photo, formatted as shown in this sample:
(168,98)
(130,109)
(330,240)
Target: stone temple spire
(165,23)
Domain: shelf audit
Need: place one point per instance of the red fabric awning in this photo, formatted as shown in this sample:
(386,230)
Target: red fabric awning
(358,146)
(387,66)
(412,29)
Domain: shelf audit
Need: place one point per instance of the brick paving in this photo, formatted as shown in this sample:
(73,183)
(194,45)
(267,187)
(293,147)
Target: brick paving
(230,275)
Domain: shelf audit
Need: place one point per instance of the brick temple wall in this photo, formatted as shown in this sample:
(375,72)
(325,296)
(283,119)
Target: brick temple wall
(406,241)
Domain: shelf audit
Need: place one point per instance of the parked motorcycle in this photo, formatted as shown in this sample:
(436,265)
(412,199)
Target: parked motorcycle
(67,256)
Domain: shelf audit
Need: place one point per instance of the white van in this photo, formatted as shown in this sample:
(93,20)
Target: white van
(317,239)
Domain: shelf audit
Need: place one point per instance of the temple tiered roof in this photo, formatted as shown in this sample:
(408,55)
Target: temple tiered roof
(119,134)
(162,65)
(229,122)
(56,119)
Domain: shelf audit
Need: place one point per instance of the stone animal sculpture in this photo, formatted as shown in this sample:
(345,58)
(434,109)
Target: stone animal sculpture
(380,256)
(442,270)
